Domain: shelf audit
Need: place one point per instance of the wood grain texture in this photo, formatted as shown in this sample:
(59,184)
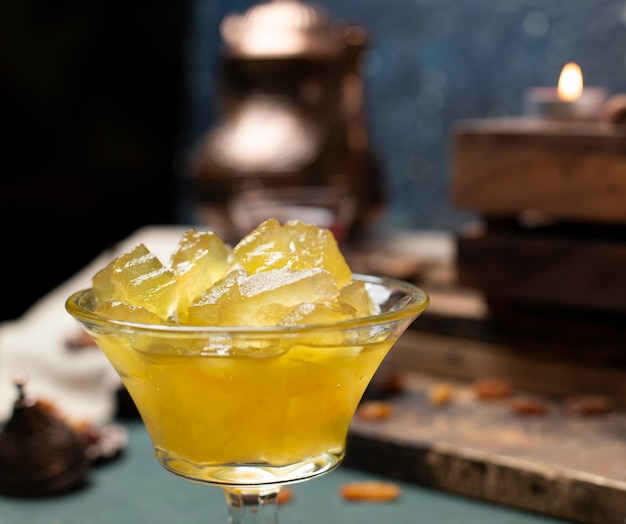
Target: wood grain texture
(551,464)
(536,367)
(570,170)
(545,270)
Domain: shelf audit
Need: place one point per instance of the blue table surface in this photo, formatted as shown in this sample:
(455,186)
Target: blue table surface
(134,488)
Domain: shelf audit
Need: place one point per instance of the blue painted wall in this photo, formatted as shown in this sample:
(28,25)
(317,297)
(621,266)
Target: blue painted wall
(431,63)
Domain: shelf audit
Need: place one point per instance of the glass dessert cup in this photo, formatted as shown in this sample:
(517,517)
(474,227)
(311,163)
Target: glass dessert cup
(251,409)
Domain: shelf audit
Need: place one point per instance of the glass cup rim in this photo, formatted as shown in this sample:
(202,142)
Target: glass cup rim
(419,301)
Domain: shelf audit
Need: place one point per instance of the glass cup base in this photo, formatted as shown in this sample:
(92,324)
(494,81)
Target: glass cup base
(249,474)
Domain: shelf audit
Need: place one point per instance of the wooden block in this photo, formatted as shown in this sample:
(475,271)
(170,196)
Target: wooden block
(545,270)
(568,170)
(591,341)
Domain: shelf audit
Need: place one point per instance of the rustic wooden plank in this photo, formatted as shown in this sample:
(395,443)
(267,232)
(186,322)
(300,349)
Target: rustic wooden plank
(536,368)
(568,170)
(562,335)
(545,270)
(552,464)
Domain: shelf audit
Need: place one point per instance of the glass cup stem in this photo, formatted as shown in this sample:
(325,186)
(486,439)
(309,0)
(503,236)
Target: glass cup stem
(252,505)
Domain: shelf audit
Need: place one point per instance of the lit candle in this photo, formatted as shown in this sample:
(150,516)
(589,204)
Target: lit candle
(570,100)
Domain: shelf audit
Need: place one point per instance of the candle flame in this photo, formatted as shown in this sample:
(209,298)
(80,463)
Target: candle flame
(570,83)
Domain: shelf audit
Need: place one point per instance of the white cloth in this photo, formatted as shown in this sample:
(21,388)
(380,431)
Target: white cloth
(80,383)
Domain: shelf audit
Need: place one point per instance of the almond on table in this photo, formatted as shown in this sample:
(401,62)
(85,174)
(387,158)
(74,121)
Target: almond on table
(374,410)
(585,405)
(80,339)
(440,394)
(285,495)
(528,405)
(370,491)
(493,388)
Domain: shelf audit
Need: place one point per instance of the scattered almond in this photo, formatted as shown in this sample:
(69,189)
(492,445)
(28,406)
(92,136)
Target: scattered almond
(374,410)
(384,385)
(391,383)
(529,406)
(489,388)
(440,394)
(586,405)
(80,339)
(285,495)
(370,491)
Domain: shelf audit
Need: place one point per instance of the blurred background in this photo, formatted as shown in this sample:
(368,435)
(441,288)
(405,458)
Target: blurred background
(102,104)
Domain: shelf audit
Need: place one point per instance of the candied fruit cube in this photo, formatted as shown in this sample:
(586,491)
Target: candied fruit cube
(279,288)
(139,278)
(128,313)
(206,310)
(294,245)
(200,260)
(287,274)
(354,294)
(318,313)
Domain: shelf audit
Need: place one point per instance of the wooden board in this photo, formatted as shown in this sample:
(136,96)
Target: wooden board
(546,269)
(568,170)
(554,464)
(535,367)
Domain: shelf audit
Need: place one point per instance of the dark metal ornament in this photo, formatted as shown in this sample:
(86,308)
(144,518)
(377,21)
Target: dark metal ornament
(40,454)
(291,113)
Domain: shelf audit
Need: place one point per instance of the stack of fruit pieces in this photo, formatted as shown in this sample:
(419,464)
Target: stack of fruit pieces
(278,275)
